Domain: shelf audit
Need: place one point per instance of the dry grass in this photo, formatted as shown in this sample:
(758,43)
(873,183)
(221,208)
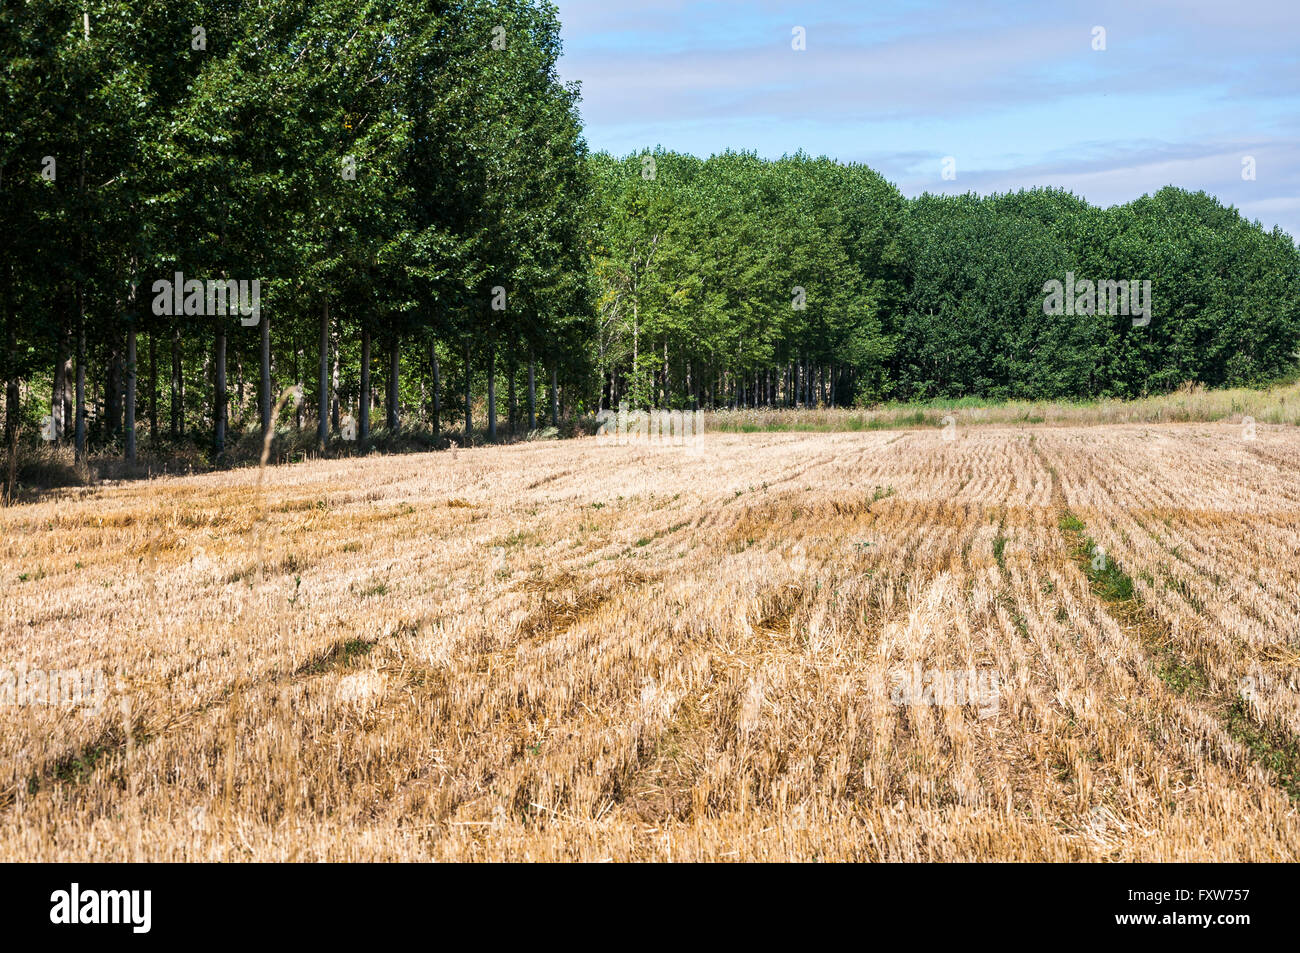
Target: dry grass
(1192,403)
(564,650)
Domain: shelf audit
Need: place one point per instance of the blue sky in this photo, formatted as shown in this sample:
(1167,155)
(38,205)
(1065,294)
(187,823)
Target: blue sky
(1012,90)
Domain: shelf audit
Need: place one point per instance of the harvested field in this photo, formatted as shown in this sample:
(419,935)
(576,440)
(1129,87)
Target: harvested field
(565,650)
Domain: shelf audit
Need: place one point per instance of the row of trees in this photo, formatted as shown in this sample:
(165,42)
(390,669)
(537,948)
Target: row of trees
(406,180)
(741,281)
(408,183)
(1224,305)
(735,280)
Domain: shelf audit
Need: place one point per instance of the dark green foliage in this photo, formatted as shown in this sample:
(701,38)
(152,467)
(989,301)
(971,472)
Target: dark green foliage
(940,297)
(1225,297)
(212,137)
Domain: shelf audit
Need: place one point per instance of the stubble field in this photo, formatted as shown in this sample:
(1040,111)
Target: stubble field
(570,650)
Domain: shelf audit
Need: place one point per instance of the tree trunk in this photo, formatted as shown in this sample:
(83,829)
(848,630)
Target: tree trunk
(180,381)
(334,390)
(492,393)
(663,378)
(510,398)
(437,388)
(11,402)
(555,398)
(363,406)
(219,394)
(468,397)
(61,403)
(394,390)
(175,405)
(268,385)
(323,404)
(130,390)
(153,388)
(113,391)
(79,440)
(532,392)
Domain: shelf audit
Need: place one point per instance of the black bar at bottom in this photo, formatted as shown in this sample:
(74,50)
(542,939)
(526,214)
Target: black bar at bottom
(581,904)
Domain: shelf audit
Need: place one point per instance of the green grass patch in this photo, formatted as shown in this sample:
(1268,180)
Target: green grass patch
(340,655)
(1274,748)
(1070,524)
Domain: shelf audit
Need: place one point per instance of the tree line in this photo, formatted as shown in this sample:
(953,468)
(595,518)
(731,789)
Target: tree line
(404,180)
(408,184)
(742,282)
